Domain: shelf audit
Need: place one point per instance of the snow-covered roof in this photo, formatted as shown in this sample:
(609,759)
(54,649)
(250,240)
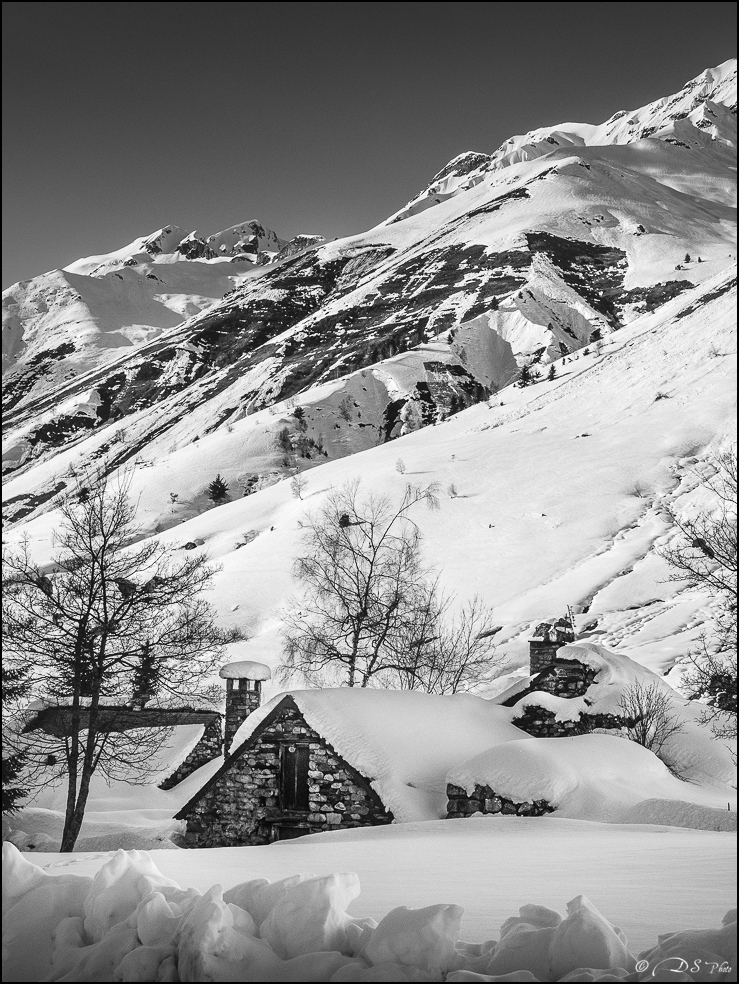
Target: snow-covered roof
(404,742)
(245,669)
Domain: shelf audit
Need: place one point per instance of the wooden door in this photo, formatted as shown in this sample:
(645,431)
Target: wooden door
(294,777)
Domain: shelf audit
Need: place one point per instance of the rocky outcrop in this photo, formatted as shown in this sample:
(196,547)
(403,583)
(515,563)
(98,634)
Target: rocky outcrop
(299,244)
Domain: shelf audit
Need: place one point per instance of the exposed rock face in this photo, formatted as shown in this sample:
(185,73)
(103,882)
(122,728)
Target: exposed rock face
(195,249)
(298,245)
(249,803)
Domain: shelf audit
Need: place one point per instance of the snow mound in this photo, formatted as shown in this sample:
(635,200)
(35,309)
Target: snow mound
(245,669)
(130,923)
(404,742)
(677,813)
(598,777)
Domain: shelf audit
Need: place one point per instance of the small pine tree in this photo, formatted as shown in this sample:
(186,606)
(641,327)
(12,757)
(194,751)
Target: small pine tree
(145,677)
(552,374)
(15,686)
(218,489)
(525,378)
(687,258)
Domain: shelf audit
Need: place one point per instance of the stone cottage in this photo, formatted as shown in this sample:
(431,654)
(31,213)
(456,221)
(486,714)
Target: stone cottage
(317,760)
(557,675)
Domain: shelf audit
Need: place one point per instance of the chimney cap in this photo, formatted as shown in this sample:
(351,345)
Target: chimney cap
(245,669)
(554,630)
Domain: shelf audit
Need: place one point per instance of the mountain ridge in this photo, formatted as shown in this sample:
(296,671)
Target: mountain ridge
(406,324)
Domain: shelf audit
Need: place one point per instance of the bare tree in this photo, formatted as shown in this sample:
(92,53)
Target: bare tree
(442,653)
(371,612)
(705,555)
(360,573)
(112,626)
(650,720)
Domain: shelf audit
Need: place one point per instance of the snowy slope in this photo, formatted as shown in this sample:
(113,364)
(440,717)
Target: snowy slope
(561,486)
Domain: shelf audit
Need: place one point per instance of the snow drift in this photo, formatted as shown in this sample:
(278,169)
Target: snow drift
(130,923)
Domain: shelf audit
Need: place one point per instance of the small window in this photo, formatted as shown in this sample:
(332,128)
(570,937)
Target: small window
(294,777)
(286,831)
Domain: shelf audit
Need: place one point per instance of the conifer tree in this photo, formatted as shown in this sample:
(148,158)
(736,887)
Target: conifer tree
(14,687)
(218,489)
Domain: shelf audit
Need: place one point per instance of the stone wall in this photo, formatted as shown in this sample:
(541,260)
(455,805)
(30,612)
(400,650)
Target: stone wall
(485,800)
(243,806)
(208,747)
(542,723)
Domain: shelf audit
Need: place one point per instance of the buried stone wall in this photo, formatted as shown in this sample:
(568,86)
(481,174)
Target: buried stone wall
(542,723)
(484,799)
(247,803)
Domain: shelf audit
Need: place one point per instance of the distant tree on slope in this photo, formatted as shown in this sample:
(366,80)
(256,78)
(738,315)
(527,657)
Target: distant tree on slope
(113,624)
(525,377)
(705,555)
(218,489)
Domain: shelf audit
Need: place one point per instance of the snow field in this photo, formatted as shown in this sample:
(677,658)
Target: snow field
(125,919)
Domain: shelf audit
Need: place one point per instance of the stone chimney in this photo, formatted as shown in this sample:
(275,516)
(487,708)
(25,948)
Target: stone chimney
(546,640)
(243,694)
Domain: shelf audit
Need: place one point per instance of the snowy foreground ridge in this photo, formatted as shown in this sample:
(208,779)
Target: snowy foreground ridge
(131,923)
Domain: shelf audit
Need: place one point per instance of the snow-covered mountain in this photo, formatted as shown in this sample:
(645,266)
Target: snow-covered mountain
(606,251)
(706,104)
(65,322)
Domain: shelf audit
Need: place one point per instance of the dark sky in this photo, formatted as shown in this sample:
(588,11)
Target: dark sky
(312,117)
